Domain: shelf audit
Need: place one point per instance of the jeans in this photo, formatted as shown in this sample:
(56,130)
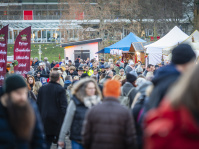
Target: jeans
(76,145)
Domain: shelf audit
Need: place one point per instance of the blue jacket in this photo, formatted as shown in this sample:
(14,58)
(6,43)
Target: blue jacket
(8,140)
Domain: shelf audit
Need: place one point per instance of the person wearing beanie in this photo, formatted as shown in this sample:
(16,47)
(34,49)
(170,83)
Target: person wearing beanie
(109,125)
(129,88)
(183,59)
(20,124)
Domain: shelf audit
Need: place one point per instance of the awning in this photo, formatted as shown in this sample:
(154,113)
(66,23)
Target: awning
(99,52)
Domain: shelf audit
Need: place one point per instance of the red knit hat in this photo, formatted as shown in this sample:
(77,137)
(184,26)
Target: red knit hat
(112,88)
(56,66)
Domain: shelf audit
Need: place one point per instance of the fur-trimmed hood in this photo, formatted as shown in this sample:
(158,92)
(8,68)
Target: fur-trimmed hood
(79,89)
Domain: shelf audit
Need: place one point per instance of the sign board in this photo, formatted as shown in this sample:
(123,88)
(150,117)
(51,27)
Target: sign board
(28,15)
(116,52)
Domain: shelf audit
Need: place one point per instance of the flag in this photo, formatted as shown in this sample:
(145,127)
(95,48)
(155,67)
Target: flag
(22,49)
(3,53)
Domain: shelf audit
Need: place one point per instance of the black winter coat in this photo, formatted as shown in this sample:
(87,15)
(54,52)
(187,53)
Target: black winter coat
(52,104)
(76,127)
(8,139)
(109,126)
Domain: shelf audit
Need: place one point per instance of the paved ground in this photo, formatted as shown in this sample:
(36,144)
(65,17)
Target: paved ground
(68,144)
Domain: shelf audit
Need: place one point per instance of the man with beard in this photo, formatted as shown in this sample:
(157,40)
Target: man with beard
(52,104)
(19,120)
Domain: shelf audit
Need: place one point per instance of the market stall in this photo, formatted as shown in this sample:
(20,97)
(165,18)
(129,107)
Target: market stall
(123,46)
(172,38)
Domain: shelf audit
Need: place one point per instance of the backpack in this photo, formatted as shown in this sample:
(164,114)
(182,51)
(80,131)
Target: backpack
(43,80)
(124,100)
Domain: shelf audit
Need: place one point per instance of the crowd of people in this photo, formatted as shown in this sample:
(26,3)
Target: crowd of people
(103,104)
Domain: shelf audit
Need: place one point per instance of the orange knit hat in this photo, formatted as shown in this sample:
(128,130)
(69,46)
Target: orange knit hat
(112,88)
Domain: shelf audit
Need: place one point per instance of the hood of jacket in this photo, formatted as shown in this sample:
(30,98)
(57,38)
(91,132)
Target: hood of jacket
(67,82)
(165,72)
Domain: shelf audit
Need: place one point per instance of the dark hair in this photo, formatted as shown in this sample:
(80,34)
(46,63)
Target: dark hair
(55,69)
(149,66)
(123,82)
(54,76)
(68,77)
(61,69)
(92,60)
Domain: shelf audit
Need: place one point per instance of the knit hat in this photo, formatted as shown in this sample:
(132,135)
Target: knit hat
(130,77)
(56,66)
(182,54)
(112,88)
(13,82)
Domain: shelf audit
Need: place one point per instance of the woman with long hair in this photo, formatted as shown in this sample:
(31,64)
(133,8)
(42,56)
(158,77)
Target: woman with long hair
(85,95)
(175,123)
(31,82)
(36,87)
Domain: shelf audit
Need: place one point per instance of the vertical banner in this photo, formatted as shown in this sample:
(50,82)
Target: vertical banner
(3,53)
(22,51)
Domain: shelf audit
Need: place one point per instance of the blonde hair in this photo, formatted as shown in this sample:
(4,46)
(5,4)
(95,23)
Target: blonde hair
(36,87)
(185,91)
(117,77)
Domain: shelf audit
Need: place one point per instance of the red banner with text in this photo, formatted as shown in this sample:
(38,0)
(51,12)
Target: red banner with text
(3,53)
(22,49)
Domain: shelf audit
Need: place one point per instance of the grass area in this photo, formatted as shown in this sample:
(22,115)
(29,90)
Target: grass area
(50,50)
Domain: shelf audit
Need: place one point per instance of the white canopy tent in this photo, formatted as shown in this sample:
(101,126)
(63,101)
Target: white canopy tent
(172,38)
(193,41)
